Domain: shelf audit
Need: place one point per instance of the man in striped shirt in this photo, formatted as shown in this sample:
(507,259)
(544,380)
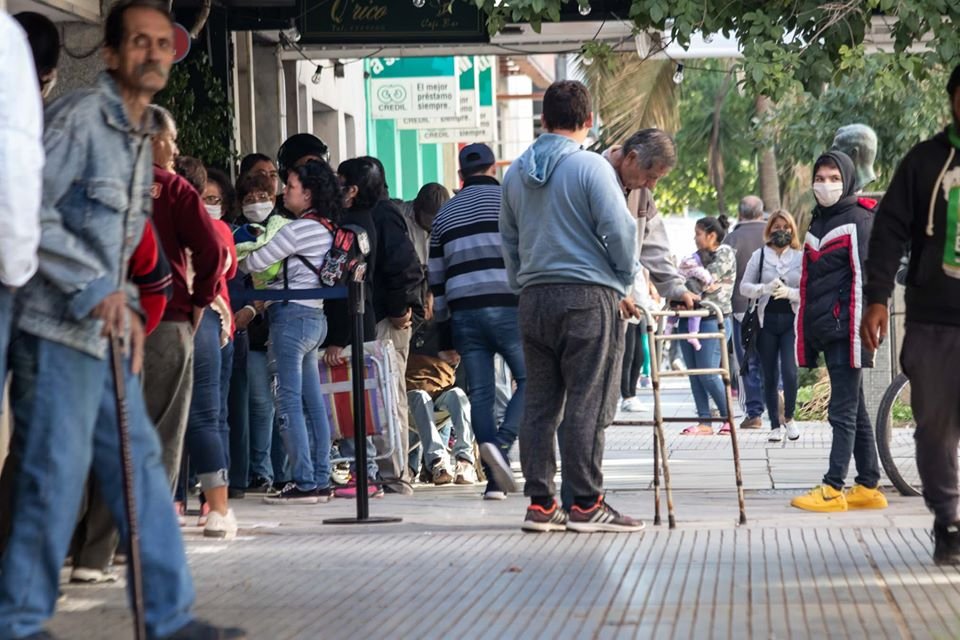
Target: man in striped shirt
(470,289)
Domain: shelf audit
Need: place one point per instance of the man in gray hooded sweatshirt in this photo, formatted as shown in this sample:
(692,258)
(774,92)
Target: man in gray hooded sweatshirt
(570,249)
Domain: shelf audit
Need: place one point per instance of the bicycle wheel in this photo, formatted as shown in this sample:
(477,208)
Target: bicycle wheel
(895,444)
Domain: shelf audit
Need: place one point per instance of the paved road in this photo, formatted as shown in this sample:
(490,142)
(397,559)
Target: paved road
(460,567)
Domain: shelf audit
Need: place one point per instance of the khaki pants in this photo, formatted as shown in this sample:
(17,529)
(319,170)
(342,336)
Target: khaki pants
(396,466)
(168,387)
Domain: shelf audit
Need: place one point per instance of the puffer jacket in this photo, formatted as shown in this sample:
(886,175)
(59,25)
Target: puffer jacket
(831,287)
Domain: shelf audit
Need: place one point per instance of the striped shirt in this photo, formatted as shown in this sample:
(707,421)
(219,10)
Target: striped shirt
(303,237)
(466,260)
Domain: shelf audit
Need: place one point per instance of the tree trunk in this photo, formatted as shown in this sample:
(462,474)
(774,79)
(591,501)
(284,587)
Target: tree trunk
(767,160)
(715,160)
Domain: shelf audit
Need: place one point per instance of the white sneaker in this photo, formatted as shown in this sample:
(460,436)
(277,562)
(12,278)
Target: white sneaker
(632,405)
(494,495)
(793,433)
(776,435)
(83,575)
(220,526)
(465,474)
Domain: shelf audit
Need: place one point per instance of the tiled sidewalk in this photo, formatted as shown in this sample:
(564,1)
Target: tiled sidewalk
(461,567)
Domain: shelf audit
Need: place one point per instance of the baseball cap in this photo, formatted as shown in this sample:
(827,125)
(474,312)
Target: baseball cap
(476,156)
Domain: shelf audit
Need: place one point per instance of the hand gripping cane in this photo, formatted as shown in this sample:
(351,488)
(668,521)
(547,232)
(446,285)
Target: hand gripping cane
(134,574)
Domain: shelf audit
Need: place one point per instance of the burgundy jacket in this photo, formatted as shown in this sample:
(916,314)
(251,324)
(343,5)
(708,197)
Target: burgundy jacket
(182,223)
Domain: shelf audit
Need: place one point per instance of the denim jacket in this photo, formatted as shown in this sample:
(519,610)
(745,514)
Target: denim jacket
(96,197)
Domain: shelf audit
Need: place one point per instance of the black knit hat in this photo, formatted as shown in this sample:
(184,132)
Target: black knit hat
(297,147)
(954,83)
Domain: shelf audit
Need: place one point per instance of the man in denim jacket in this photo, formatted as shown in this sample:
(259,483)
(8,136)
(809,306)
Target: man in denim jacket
(96,199)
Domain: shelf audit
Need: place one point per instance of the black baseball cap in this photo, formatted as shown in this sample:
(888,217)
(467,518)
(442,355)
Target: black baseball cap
(297,146)
(476,156)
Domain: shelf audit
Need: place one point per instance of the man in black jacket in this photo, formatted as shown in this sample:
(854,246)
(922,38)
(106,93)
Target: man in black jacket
(397,286)
(920,212)
(828,322)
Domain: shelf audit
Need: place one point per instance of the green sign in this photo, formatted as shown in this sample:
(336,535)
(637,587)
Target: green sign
(467,115)
(413,88)
(390,21)
(477,119)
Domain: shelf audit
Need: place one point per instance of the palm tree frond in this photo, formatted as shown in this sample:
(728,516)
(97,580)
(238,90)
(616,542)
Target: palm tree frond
(633,94)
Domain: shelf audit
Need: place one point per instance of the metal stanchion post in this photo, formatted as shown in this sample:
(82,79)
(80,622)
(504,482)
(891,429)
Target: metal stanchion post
(358,372)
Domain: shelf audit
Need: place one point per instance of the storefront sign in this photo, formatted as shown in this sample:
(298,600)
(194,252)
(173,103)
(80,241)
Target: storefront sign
(390,21)
(426,88)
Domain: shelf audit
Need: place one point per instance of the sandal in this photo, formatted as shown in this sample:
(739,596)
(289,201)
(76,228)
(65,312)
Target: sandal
(697,430)
(724,430)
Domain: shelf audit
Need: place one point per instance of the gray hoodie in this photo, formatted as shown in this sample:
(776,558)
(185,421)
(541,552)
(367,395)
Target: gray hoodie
(564,219)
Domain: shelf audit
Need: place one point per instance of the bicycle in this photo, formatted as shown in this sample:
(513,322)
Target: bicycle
(895,445)
(895,423)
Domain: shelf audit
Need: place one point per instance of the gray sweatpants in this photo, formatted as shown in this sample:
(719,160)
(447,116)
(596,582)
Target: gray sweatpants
(929,358)
(573,346)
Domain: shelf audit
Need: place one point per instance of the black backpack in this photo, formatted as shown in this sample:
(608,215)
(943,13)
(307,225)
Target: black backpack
(351,246)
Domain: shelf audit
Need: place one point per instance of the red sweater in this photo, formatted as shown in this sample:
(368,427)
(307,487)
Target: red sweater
(182,223)
(150,271)
(226,236)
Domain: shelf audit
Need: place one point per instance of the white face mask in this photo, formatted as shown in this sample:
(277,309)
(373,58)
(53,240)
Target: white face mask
(257,211)
(827,193)
(215,210)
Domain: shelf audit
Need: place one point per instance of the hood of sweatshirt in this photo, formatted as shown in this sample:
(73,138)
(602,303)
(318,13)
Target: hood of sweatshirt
(849,173)
(539,161)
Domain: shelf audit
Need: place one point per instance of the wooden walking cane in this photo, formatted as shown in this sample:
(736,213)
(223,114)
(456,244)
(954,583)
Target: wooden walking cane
(134,574)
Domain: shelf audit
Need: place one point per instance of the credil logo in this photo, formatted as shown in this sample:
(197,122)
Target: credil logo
(392,94)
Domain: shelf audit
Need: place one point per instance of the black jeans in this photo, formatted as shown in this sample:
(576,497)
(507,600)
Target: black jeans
(632,358)
(852,430)
(778,359)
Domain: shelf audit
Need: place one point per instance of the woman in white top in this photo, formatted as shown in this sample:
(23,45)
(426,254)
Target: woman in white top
(776,289)
(298,328)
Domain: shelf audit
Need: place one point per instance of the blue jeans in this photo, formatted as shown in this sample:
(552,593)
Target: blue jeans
(706,387)
(238,414)
(65,430)
(266,460)
(296,332)
(752,381)
(349,450)
(433,440)
(208,435)
(6,315)
(852,430)
(479,334)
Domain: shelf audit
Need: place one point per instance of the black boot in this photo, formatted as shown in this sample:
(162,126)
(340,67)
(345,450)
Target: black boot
(946,544)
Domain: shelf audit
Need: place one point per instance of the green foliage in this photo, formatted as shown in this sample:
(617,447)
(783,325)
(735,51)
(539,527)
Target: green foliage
(689,184)
(878,91)
(785,42)
(198,101)
(810,377)
(902,414)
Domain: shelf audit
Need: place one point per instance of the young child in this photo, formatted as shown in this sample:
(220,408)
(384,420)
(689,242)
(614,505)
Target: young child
(694,269)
